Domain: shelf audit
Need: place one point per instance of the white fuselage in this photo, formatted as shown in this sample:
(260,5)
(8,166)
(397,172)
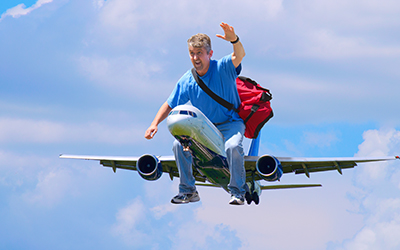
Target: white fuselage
(198,134)
(187,120)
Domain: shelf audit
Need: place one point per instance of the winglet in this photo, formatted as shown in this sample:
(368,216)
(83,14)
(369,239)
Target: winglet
(397,157)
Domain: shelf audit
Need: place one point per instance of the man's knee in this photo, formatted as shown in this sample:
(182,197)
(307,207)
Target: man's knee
(229,146)
(233,148)
(176,144)
(179,152)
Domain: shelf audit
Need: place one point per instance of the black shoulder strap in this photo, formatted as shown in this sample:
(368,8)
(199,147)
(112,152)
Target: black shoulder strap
(214,96)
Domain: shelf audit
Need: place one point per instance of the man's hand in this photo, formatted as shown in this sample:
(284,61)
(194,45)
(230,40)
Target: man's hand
(160,116)
(150,132)
(230,35)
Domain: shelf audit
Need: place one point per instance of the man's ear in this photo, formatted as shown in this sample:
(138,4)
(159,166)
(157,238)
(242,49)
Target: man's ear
(210,54)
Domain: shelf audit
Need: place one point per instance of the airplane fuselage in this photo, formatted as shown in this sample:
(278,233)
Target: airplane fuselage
(199,135)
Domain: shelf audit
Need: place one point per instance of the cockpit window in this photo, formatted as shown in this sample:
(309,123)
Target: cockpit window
(192,114)
(174,112)
(183,112)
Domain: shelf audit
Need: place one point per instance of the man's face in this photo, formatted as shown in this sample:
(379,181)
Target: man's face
(200,59)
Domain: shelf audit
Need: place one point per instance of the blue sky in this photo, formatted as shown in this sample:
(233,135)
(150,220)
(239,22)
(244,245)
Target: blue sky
(87,77)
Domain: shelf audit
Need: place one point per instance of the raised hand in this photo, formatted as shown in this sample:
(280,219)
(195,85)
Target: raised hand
(229,35)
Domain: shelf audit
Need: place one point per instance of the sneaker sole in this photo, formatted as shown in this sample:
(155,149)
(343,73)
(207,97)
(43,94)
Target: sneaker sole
(195,199)
(236,203)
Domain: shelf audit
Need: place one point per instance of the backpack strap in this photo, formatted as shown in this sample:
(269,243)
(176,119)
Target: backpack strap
(214,96)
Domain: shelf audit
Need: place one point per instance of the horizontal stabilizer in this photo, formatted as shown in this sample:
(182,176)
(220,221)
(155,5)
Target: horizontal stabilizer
(206,185)
(290,186)
(269,186)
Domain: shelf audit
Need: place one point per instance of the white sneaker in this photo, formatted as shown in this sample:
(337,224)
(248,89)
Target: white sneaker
(185,198)
(236,200)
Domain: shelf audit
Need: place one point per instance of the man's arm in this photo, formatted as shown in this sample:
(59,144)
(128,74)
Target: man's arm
(238,49)
(160,116)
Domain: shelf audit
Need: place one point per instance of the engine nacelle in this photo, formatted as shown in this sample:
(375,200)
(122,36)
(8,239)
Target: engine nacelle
(269,168)
(149,167)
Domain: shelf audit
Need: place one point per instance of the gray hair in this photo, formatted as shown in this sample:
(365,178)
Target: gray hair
(200,41)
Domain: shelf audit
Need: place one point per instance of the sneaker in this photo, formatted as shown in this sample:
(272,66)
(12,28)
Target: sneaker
(236,200)
(185,198)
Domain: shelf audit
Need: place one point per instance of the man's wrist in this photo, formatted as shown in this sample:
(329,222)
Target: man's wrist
(236,41)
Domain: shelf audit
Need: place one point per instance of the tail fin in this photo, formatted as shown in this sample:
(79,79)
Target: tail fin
(255,145)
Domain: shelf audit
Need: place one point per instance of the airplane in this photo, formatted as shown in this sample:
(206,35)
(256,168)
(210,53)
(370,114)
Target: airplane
(199,136)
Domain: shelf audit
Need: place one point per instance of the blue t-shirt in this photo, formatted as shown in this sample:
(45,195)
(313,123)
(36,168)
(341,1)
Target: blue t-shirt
(221,79)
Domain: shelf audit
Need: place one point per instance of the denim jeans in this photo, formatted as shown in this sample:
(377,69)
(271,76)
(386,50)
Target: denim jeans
(233,137)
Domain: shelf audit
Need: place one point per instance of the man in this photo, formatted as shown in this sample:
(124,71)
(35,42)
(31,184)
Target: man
(220,77)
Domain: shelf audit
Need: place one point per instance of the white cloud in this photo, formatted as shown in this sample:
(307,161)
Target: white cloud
(347,14)
(51,188)
(163,209)
(161,190)
(121,14)
(127,21)
(98,3)
(382,233)
(130,224)
(320,139)
(199,235)
(126,75)
(377,143)
(315,98)
(17,169)
(24,130)
(21,9)
(325,44)
(380,199)
(17,130)
(333,30)
(298,213)
(45,181)
(138,226)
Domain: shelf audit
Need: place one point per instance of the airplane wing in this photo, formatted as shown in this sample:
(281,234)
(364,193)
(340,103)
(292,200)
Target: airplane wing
(129,163)
(297,165)
(300,165)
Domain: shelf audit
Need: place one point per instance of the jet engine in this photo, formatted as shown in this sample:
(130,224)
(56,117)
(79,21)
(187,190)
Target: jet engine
(149,167)
(269,168)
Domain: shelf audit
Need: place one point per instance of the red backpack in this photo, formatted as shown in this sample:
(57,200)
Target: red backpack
(255,108)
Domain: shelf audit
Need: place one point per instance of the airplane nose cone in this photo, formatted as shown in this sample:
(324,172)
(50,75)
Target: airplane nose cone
(179,124)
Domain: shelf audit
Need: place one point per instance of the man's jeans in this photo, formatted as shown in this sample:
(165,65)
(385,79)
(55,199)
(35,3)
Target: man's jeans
(233,136)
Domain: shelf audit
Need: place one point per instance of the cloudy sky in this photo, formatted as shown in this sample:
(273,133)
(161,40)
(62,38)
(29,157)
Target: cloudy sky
(87,77)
